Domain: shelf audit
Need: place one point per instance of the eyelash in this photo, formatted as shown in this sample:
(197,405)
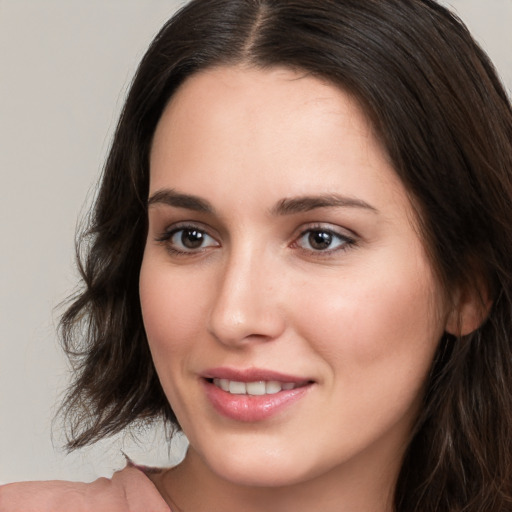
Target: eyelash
(166,238)
(344,242)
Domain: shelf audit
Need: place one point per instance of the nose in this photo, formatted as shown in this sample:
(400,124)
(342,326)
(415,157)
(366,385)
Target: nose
(246,306)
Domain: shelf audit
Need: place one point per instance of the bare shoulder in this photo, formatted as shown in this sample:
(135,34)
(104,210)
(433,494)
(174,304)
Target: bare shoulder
(128,490)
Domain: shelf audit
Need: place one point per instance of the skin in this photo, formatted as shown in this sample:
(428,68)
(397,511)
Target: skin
(360,318)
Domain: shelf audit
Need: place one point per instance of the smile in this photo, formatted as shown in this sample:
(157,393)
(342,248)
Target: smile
(256,388)
(253,394)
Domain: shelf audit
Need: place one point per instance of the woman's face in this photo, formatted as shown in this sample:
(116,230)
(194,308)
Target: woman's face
(289,304)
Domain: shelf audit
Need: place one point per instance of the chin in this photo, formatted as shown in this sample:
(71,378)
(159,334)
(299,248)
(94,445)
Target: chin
(261,475)
(259,468)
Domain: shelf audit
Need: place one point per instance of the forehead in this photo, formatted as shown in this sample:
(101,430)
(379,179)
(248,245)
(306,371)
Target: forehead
(238,130)
(252,90)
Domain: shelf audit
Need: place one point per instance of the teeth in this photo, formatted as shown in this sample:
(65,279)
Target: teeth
(257,388)
(273,387)
(237,388)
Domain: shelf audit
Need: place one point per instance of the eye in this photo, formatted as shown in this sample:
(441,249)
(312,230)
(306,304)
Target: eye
(323,240)
(187,239)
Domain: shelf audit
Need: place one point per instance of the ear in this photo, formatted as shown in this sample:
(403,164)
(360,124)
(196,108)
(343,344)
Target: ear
(470,309)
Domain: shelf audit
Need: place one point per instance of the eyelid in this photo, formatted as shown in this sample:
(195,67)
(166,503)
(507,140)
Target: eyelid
(349,238)
(172,227)
(166,235)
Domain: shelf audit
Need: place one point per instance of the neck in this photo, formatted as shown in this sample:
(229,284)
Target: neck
(354,487)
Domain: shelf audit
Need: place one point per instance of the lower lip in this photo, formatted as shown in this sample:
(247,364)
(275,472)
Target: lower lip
(250,408)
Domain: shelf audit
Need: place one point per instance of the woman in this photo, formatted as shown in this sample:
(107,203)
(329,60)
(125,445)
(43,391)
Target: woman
(300,255)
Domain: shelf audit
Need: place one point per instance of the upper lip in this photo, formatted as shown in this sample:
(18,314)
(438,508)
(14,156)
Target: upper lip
(251,375)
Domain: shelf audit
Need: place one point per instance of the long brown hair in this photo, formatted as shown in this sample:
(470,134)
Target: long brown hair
(445,119)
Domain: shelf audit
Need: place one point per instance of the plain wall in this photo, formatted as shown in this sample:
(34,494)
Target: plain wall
(64,69)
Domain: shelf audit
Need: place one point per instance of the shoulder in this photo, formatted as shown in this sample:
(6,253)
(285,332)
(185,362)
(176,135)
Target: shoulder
(129,490)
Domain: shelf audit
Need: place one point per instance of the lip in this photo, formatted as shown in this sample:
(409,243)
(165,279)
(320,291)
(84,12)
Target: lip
(248,408)
(251,375)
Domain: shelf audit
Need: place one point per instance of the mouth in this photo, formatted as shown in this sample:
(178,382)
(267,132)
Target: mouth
(255,388)
(253,395)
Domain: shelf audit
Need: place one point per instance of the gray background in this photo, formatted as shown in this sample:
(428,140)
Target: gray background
(64,69)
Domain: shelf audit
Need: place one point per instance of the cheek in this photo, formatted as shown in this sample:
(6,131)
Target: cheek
(172,308)
(376,324)
(378,335)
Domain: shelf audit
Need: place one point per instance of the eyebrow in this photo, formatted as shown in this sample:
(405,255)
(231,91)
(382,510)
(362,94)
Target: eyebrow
(170,197)
(287,206)
(301,204)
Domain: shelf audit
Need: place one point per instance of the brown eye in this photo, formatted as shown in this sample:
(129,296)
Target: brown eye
(320,240)
(188,240)
(192,238)
(323,240)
